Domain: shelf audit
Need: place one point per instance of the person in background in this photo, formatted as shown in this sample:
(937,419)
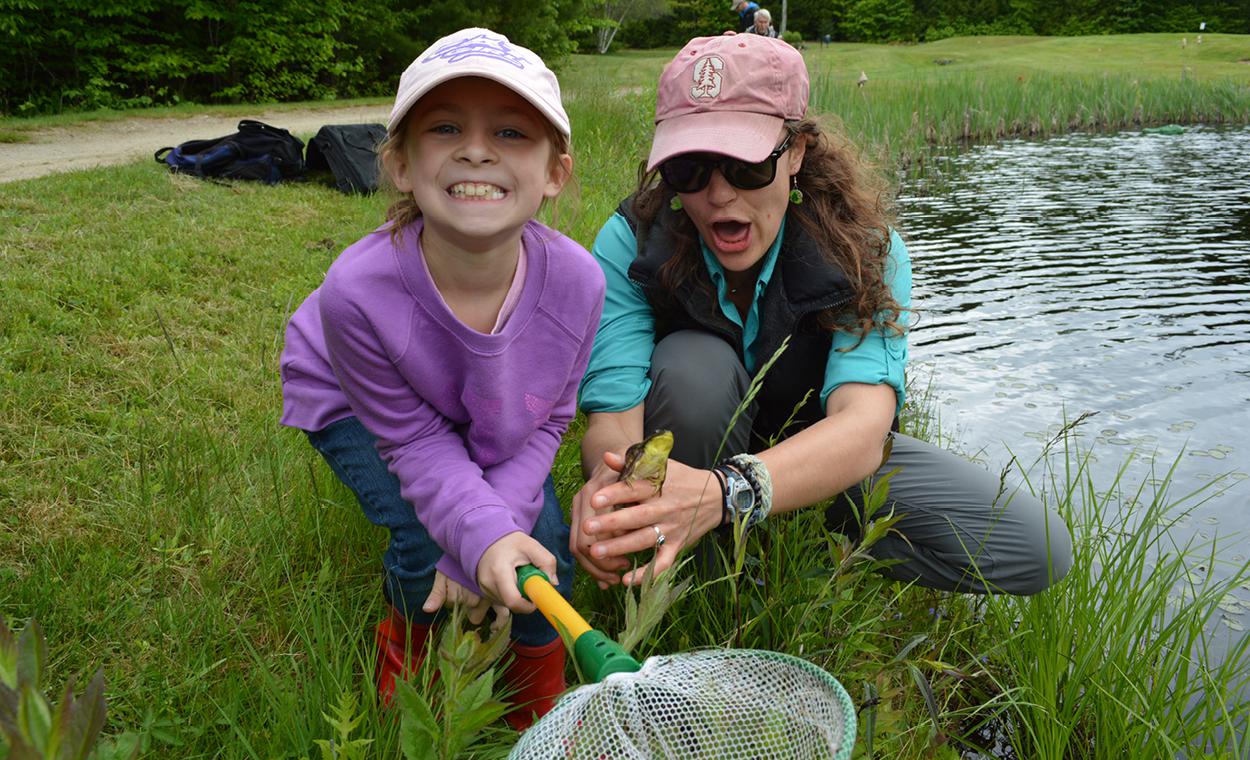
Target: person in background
(755,225)
(746,13)
(763,24)
(436,367)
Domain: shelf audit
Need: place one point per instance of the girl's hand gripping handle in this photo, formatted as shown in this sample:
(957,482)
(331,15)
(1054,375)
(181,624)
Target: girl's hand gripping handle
(597,656)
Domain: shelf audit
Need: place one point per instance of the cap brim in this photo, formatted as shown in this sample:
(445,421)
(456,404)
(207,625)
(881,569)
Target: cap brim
(739,134)
(402,107)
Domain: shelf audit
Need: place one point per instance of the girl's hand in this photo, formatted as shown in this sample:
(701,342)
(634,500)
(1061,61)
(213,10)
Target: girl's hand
(496,570)
(447,593)
(690,506)
(606,570)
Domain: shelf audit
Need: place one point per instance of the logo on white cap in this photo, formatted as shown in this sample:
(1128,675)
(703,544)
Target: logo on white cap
(480,46)
(707,77)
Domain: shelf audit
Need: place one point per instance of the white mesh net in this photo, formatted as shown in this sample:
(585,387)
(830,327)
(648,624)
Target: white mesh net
(717,704)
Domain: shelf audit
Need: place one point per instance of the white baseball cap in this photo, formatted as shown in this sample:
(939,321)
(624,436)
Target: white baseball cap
(487,54)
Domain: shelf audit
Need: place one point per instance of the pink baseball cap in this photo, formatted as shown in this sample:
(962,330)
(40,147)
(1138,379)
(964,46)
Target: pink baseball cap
(730,95)
(487,54)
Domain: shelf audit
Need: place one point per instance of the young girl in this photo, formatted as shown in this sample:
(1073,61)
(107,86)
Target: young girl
(436,367)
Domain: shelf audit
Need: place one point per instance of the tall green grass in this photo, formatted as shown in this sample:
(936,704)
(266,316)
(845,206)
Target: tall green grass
(160,524)
(943,95)
(1126,661)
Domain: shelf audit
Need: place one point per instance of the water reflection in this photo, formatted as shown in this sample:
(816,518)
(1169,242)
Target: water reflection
(1106,273)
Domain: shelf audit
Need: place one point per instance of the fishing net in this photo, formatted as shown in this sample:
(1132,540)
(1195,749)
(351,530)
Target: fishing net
(715,704)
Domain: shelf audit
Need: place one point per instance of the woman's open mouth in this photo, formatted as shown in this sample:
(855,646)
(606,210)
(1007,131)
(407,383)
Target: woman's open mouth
(731,236)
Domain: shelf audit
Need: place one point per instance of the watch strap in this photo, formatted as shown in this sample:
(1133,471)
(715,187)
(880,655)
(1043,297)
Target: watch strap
(756,474)
(728,472)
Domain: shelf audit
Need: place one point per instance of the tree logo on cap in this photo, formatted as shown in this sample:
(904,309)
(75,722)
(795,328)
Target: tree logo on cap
(707,77)
(479,46)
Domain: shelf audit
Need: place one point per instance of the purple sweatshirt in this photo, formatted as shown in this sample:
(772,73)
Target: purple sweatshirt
(468,422)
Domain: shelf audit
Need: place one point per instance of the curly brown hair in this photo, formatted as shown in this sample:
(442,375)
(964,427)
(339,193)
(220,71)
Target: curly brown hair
(404,210)
(844,212)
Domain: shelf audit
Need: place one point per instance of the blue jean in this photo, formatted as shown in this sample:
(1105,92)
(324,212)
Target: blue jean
(408,564)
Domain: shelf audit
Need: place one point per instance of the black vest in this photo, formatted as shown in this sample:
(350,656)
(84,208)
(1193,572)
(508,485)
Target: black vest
(803,284)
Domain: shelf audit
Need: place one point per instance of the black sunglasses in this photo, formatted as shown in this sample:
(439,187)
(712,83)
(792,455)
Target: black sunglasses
(690,172)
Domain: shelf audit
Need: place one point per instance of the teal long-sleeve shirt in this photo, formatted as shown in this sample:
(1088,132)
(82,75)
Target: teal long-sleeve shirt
(618,376)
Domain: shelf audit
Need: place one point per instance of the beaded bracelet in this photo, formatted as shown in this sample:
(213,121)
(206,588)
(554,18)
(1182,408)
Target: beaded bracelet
(723,481)
(752,468)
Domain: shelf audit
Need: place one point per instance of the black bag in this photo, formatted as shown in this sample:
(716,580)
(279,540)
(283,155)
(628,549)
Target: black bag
(349,153)
(257,151)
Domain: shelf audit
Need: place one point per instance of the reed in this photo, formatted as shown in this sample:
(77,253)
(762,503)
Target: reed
(921,101)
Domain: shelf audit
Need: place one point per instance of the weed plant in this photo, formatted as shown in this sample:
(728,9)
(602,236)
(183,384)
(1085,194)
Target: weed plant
(159,524)
(1126,661)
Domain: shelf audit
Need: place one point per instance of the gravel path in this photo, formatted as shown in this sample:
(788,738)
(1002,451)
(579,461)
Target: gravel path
(91,144)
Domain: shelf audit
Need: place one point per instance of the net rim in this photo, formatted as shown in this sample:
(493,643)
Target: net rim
(840,699)
(850,724)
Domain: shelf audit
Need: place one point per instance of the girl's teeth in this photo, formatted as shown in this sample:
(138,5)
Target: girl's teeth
(476,190)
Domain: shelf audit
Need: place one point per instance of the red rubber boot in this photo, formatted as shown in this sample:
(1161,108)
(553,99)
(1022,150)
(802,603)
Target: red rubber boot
(536,674)
(401,650)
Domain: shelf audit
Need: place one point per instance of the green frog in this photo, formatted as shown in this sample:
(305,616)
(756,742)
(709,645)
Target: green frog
(648,460)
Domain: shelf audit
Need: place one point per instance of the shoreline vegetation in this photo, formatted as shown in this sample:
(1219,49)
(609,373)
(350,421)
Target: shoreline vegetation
(158,523)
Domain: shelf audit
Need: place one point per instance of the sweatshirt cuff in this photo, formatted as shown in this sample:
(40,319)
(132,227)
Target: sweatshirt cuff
(448,566)
(476,531)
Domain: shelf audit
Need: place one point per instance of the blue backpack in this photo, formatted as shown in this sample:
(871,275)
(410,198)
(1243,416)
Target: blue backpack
(257,151)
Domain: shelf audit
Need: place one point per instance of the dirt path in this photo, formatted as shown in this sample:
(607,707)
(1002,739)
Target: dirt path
(90,144)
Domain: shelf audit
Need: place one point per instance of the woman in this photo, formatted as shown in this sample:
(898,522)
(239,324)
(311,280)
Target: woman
(753,227)
(763,24)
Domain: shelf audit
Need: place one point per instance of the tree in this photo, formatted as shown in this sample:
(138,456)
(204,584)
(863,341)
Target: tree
(83,54)
(878,20)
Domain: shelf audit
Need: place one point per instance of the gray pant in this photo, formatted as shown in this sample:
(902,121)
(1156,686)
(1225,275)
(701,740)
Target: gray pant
(964,530)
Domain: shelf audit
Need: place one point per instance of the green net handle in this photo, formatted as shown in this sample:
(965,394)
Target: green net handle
(597,655)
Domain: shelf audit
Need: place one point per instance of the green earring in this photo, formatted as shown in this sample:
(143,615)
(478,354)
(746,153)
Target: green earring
(675,203)
(796,195)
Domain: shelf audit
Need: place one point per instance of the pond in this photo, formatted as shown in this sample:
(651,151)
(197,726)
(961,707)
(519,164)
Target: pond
(1095,273)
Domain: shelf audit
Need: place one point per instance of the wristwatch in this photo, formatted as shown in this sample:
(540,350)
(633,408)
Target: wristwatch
(739,497)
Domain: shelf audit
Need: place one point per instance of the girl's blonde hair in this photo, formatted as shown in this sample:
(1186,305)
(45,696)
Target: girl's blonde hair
(404,211)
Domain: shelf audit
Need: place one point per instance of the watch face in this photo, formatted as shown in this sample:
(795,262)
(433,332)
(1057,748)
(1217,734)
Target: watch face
(741,495)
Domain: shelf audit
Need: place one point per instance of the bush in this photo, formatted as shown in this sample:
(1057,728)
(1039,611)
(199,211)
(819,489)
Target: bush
(1003,27)
(793,37)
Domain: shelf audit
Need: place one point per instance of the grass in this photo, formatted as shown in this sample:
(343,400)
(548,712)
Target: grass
(158,522)
(938,96)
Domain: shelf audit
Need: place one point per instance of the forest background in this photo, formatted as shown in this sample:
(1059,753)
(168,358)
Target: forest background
(72,55)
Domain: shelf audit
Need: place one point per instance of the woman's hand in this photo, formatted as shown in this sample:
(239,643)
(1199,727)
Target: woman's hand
(605,570)
(690,506)
(496,570)
(447,593)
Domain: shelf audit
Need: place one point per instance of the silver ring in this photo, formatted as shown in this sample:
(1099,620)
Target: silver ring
(660,538)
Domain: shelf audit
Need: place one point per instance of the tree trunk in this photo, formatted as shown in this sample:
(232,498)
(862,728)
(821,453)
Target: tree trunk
(606,35)
(781,30)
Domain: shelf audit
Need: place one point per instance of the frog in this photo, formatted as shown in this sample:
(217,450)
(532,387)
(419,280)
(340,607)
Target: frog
(648,460)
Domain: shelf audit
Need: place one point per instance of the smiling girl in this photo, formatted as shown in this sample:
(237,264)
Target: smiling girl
(436,367)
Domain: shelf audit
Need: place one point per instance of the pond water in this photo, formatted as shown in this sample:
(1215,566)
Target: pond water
(1096,273)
